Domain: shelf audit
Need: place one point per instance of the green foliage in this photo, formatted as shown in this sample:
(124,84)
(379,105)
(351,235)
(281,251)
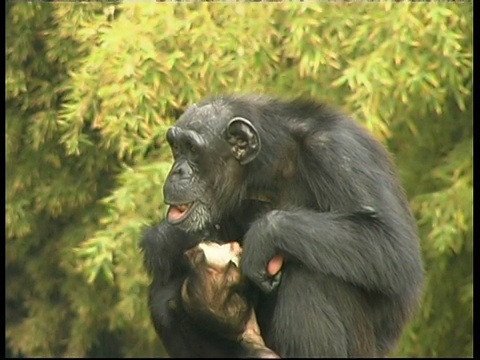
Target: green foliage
(91,88)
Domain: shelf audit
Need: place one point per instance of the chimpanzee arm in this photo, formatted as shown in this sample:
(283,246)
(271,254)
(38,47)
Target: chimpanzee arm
(357,247)
(360,229)
(163,247)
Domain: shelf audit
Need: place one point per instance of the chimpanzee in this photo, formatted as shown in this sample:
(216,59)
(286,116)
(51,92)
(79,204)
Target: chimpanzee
(296,179)
(215,295)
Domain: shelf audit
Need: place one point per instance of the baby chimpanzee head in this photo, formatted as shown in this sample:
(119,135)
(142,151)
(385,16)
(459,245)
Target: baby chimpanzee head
(214,292)
(218,297)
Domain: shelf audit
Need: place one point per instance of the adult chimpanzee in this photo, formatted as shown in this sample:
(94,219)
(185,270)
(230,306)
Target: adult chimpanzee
(217,296)
(296,179)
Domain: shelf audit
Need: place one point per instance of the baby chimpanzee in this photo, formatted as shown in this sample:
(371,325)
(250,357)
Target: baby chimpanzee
(217,296)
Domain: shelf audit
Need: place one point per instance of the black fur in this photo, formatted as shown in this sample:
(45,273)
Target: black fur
(323,193)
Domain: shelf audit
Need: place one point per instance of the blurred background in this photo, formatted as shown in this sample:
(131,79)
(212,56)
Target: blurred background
(91,88)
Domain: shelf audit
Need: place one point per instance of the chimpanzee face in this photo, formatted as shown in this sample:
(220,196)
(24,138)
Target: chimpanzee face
(216,256)
(214,291)
(210,149)
(214,270)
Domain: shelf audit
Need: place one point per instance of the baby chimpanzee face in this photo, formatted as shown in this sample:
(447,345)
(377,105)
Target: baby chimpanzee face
(214,291)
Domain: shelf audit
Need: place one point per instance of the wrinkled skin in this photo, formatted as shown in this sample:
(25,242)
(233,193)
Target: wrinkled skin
(297,181)
(216,295)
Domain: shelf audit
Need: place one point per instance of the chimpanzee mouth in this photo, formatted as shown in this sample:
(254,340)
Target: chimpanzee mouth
(235,261)
(178,213)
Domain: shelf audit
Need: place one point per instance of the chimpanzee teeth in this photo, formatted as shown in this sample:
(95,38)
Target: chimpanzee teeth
(182,207)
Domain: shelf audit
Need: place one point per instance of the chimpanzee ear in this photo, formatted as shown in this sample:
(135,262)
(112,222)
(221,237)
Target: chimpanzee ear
(195,256)
(243,137)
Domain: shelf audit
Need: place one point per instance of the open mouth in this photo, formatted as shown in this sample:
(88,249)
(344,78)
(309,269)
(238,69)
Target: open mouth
(177,213)
(235,261)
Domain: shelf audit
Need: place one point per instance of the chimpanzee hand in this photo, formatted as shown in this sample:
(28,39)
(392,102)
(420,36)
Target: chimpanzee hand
(260,261)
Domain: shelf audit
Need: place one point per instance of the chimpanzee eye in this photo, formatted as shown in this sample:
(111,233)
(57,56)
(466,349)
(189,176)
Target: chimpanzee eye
(174,148)
(192,147)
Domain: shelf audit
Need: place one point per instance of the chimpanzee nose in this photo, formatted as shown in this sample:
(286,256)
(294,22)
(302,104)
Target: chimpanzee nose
(182,170)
